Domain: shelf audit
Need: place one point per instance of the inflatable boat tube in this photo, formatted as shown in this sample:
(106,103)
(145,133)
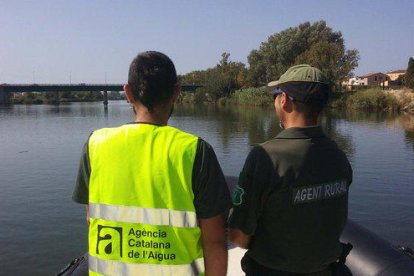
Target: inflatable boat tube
(370,255)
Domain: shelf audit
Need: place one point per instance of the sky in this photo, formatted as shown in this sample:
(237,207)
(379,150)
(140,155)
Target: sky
(91,41)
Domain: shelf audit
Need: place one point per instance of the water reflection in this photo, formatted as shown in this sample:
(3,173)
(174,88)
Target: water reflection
(259,124)
(42,143)
(357,116)
(406,122)
(332,118)
(332,121)
(409,135)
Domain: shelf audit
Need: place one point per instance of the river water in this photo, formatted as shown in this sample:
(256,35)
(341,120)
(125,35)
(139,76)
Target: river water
(41,229)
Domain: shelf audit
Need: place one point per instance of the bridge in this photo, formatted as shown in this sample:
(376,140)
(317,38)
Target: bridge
(7,89)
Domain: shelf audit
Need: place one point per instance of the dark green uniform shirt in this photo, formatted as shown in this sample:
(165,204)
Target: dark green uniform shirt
(211,194)
(292,199)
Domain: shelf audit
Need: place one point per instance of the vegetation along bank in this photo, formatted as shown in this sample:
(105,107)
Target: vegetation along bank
(230,82)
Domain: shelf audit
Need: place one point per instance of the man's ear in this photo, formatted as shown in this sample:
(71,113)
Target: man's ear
(284,100)
(128,93)
(177,92)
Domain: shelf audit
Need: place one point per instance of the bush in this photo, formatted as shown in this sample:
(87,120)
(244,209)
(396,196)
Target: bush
(200,96)
(186,98)
(338,99)
(194,98)
(50,97)
(407,103)
(405,99)
(28,98)
(372,99)
(222,101)
(252,96)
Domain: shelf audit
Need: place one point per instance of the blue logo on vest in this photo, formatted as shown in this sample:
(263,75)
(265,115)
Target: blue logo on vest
(109,240)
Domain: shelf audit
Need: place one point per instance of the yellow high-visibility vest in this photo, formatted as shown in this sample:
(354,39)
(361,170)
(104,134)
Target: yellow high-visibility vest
(142,216)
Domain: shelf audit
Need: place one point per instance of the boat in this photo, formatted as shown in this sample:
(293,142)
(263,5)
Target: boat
(370,255)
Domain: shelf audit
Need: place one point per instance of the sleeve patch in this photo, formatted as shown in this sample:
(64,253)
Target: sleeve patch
(238,195)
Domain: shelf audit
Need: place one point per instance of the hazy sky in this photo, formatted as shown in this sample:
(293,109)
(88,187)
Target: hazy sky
(90,41)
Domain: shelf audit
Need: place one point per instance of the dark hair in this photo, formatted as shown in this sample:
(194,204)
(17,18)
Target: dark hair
(308,109)
(152,78)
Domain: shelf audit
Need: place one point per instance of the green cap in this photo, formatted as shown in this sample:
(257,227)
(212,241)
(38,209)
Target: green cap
(301,72)
(303,83)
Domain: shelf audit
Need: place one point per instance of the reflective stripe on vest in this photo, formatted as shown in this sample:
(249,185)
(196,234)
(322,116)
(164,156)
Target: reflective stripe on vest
(153,216)
(142,215)
(110,267)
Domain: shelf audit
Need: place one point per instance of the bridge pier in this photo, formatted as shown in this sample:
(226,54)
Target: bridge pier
(105,99)
(4,97)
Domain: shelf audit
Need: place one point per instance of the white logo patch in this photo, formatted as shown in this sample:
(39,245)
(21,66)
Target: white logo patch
(320,191)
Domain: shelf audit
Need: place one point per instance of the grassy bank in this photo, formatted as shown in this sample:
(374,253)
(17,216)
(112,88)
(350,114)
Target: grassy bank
(372,99)
(375,99)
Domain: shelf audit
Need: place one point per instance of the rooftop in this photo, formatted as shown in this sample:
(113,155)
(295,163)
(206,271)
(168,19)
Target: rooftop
(401,71)
(370,74)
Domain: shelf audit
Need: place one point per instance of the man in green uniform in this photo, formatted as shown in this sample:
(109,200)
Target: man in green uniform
(156,196)
(291,203)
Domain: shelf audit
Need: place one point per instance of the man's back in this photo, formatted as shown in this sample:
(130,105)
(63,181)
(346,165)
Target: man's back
(136,159)
(134,189)
(305,203)
(156,196)
(291,204)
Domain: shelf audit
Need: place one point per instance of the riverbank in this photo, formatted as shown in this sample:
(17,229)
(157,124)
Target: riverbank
(51,98)
(63,97)
(375,99)
(371,99)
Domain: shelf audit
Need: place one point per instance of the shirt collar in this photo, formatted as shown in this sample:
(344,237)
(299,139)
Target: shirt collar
(301,132)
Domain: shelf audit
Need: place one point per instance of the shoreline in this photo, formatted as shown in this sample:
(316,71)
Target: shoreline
(370,99)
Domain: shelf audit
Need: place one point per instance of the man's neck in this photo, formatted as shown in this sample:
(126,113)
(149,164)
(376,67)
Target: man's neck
(299,120)
(157,116)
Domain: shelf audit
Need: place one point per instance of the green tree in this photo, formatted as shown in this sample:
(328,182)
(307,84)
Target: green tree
(219,81)
(409,75)
(313,43)
(224,60)
(331,58)
(194,77)
(256,74)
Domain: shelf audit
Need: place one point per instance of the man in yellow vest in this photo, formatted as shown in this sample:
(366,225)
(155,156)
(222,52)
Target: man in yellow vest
(156,196)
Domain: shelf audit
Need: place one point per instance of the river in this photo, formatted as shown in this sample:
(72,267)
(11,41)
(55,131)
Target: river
(41,229)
